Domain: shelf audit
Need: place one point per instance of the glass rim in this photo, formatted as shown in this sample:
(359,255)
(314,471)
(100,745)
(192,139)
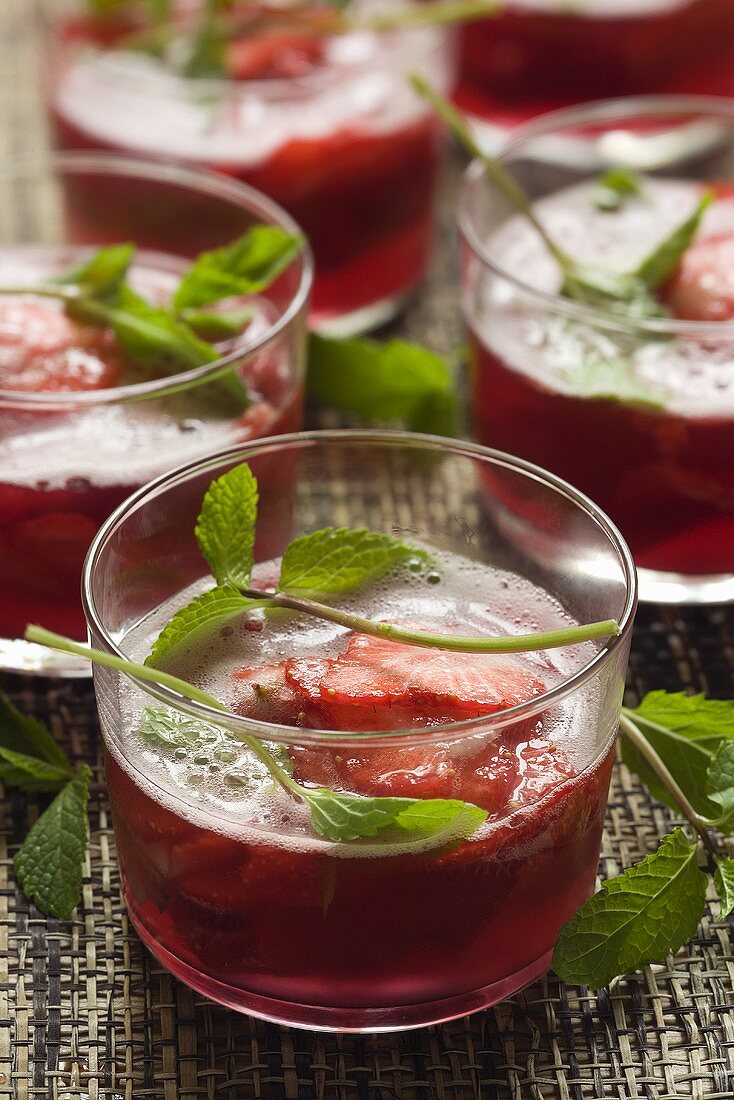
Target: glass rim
(206,182)
(430,38)
(600,110)
(300,736)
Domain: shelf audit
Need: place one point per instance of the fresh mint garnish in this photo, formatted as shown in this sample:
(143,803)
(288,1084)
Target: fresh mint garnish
(338,816)
(601,379)
(199,619)
(686,732)
(330,559)
(246,266)
(724,881)
(49,864)
(337,560)
(384,382)
(628,293)
(170,340)
(720,784)
(615,188)
(636,918)
(225,529)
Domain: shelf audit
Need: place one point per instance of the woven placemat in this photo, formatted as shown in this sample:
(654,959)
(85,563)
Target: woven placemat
(86,1013)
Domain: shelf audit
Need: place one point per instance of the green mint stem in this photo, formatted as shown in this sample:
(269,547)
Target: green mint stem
(511,643)
(459,127)
(629,728)
(58,642)
(45,290)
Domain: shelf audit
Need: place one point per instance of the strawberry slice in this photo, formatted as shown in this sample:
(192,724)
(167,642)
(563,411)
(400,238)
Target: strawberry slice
(274,54)
(266,696)
(376,672)
(702,289)
(44,351)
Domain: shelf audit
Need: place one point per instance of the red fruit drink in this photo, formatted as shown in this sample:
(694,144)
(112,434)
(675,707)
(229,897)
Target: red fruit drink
(232,889)
(536,55)
(325,125)
(76,435)
(640,417)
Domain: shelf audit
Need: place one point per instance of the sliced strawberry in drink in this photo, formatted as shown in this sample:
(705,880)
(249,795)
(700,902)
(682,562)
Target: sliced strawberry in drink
(274,54)
(376,672)
(266,697)
(44,351)
(702,288)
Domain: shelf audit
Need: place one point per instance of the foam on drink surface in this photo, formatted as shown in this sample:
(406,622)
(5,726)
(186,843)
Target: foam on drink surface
(127,443)
(691,377)
(220,786)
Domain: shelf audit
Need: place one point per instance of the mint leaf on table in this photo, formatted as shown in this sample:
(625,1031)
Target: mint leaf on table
(336,560)
(654,271)
(724,881)
(391,381)
(49,863)
(248,265)
(616,187)
(686,731)
(30,774)
(22,733)
(720,786)
(653,908)
(104,273)
(199,619)
(338,816)
(225,528)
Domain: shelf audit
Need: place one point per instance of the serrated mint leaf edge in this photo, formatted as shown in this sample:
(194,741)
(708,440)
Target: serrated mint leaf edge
(210,611)
(225,527)
(381,552)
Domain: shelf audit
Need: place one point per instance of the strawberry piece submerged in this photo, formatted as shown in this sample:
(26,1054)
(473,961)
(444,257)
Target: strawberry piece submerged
(702,288)
(44,351)
(381,685)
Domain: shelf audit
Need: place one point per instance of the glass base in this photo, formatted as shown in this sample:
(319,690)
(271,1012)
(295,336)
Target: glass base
(367,1020)
(26,659)
(683,588)
(358,321)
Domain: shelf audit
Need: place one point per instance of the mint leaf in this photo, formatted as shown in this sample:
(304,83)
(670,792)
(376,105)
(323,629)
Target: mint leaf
(225,528)
(720,787)
(724,880)
(104,273)
(198,620)
(28,773)
(21,733)
(654,271)
(614,187)
(384,382)
(49,863)
(178,731)
(217,324)
(246,266)
(635,919)
(612,380)
(338,816)
(686,731)
(338,559)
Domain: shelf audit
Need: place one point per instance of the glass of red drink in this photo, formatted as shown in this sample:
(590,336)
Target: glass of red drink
(638,413)
(80,426)
(226,882)
(535,56)
(325,125)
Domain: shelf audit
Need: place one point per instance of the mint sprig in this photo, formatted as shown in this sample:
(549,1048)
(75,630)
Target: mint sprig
(48,863)
(615,188)
(395,380)
(682,747)
(168,340)
(629,293)
(331,562)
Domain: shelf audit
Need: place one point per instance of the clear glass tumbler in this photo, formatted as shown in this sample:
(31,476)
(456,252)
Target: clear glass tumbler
(327,125)
(71,450)
(233,891)
(639,414)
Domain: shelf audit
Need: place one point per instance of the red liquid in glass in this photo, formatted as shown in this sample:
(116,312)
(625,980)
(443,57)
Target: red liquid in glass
(532,58)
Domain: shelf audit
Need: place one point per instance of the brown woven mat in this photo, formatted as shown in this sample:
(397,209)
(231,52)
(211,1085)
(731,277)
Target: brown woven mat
(86,1013)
